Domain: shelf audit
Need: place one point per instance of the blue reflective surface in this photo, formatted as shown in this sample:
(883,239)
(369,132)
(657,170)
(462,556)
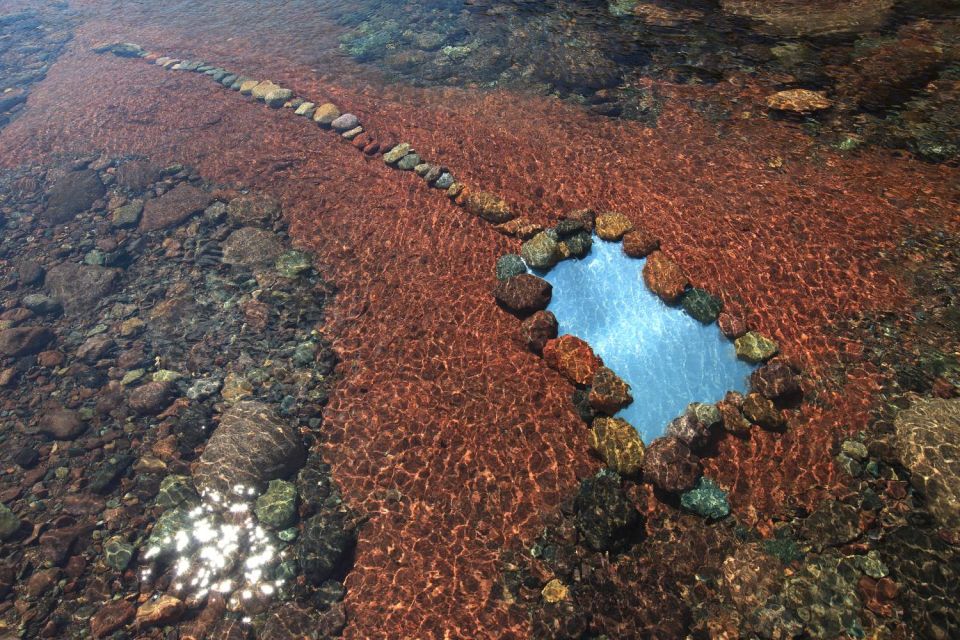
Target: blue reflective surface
(668,358)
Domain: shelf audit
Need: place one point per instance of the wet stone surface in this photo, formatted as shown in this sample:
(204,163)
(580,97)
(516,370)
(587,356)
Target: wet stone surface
(162,403)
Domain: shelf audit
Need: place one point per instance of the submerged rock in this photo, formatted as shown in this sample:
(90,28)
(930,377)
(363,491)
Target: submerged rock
(538,329)
(249,448)
(74,192)
(639,244)
(927,434)
(324,546)
(604,515)
(487,206)
(24,341)
(608,392)
(801,101)
(510,265)
(775,380)
(664,277)
(397,153)
(612,226)
(255,209)
(251,246)
(325,114)
(277,508)
(755,347)
(618,444)
(802,18)
(540,252)
(763,412)
(345,122)
(173,207)
(60,423)
(523,294)
(707,500)
(701,305)
(573,358)
(670,465)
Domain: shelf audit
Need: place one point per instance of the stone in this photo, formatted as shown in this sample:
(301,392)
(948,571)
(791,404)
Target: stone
(701,305)
(604,515)
(510,265)
(487,206)
(151,398)
(276,98)
(731,416)
(755,347)
(638,243)
(255,209)
(103,476)
(345,122)
(572,358)
(804,18)
(252,246)
(74,192)
(763,412)
(799,101)
(612,226)
(855,449)
(664,277)
(293,264)
(81,287)
(175,490)
(305,109)
(325,543)
(706,499)
(831,524)
(325,114)
(523,294)
(111,617)
(60,423)
(432,174)
(671,466)
(693,426)
(159,611)
(128,215)
(9,523)
(731,326)
(608,392)
(42,581)
(26,457)
(540,252)
(30,272)
(277,508)
(577,245)
(25,341)
(95,348)
(121,49)
(249,448)
(247,86)
(204,388)
(262,89)
(409,161)
(775,380)
(397,153)
(538,329)
(173,207)
(445,181)
(618,444)
(117,553)
(926,442)
(555,591)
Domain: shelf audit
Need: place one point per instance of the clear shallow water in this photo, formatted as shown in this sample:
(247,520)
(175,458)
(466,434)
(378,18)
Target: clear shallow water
(668,358)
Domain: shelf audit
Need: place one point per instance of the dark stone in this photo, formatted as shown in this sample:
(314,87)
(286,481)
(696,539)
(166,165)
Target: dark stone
(510,265)
(325,545)
(30,272)
(701,305)
(832,524)
(775,380)
(763,412)
(579,244)
(537,329)
(249,448)
(253,209)
(95,348)
(111,617)
(523,294)
(60,423)
(581,402)
(151,398)
(670,465)
(173,207)
(24,341)
(42,305)
(108,471)
(26,457)
(566,228)
(604,515)
(608,392)
(80,287)
(71,194)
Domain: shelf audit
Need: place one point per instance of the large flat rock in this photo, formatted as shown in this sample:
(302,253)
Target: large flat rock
(80,287)
(173,207)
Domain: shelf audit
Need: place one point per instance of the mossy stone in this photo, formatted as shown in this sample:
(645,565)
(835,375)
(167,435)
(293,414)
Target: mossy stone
(701,305)
(277,508)
(706,499)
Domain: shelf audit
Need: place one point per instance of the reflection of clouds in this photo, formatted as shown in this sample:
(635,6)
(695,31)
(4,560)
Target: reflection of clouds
(220,547)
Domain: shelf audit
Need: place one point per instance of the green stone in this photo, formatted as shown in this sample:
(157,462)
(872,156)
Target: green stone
(395,154)
(701,305)
(706,414)
(117,553)
(510,265)
(9,522)
(166,375)
(277,508)
(706,499)
(409,161)
(292,263)
(305,353)
(755,347)
(289,535)
(176,490)
(128,215)
(540,251)
(855,449)
(132,376)
(162,542)
(95,258)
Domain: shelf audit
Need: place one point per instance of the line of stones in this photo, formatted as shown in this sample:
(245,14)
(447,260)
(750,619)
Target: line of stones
(671,462)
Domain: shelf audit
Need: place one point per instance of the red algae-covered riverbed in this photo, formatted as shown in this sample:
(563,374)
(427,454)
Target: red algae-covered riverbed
(443,429)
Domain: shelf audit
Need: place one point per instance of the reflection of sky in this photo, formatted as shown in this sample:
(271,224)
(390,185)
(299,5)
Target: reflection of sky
(668,358)
(222,548)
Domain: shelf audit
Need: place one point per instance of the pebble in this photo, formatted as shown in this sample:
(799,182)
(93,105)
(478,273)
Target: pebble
(345,122)
(445,181)
(409,161)
(128,215)
(246,88)
(9,522)
(203,388)
(352,133)
(325,114)
(163,610)
(277,97)
(305,109)
(397,153)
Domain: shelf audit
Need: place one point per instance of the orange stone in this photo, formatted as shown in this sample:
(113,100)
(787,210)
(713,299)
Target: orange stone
(573,358)
(664,277)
